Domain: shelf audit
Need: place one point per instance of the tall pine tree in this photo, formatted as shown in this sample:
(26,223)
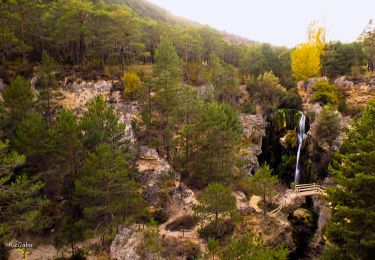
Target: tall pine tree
(351,231)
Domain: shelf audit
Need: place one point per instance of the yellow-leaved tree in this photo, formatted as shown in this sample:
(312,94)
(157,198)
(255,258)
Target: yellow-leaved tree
(131,83)
(306,57)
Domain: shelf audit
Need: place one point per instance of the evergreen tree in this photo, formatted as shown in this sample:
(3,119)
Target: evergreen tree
(18,102)
(216,200)
(351,231)
(20,204)
(67,155)
(33,139)
(101,125)
(47,85)
(104,190)
(166,87)
(264,184)
(215,156)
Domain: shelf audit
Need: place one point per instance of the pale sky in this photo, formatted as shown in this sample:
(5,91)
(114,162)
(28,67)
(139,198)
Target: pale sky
(280,22)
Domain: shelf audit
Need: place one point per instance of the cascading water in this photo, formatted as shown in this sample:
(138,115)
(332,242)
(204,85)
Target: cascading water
(300,137)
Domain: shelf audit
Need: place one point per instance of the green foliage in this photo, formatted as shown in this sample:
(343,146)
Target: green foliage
(104,190)
(351,230)
(340,58)
(101,125)
(369,44)
(249,248)
(22,208)
(215,150)
(292,100)
(327,126)
(220,229)
(47,85)
(325,93)
(32,138)
(264,184)
(217,200)
(18,101)
(267,92)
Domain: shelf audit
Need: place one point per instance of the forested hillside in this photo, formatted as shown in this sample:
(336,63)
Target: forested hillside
(129,133)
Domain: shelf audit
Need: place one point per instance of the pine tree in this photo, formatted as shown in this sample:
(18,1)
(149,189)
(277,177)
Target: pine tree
(351,230)
(18,102)
(20,204)
(216,148)
(101,125)
(216,200)
(47,85)
(104,190)
(264,184)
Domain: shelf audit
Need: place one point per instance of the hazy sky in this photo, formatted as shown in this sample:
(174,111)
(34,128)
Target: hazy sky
(281,22)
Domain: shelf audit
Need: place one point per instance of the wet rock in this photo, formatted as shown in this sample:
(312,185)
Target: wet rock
(254,127)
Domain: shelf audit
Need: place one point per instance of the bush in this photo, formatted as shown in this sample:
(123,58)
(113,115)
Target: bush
(131,83)
(160,217)
(220,230)
(183,223)
(325,93)
(292,100)
(179,249)
(249,108)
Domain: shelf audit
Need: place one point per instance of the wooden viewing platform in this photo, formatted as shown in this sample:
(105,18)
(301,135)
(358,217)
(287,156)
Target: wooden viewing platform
(301,190)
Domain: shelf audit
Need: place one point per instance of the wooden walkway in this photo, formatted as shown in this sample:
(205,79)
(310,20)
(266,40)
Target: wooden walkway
(300,190)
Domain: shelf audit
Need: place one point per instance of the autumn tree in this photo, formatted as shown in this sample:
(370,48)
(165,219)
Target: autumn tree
(306,58)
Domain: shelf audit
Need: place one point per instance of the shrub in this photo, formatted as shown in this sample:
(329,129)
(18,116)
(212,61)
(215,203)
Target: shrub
(185,222)
(160,216)
(179,249)
(131,83)
(325,93)
(220,230)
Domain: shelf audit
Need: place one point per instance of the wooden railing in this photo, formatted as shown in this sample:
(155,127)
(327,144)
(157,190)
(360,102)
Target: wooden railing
(309,189)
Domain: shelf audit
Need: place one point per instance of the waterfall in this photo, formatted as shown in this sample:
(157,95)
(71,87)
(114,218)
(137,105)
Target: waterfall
(300,137)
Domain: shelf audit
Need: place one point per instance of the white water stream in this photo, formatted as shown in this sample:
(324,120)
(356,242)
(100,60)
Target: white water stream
(300,137)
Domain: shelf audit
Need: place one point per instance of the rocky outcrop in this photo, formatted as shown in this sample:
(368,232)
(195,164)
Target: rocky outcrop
(76,93)
(125,244)
(254,127)
(357,94)
(152,169)
(305,91)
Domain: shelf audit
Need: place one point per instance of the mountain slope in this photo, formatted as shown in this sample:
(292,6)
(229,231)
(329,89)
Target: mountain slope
(147,9)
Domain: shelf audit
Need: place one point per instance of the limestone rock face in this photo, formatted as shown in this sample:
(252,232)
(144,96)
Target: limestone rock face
(357,94)
(254,127)
(152,168)
(124,246)
(76,93)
